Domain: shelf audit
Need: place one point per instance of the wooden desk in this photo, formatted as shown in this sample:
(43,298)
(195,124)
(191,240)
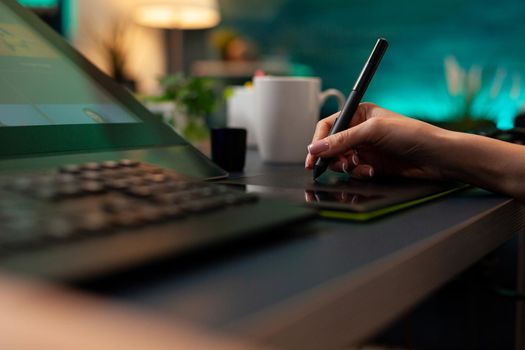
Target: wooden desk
(334,283)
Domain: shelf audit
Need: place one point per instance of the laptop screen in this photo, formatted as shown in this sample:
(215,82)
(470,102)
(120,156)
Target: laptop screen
(53,100)
(42,87)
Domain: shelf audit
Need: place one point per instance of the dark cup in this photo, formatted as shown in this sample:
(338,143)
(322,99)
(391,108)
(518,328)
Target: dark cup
(228,148)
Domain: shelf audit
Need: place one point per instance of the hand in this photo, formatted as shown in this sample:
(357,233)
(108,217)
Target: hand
(380,143)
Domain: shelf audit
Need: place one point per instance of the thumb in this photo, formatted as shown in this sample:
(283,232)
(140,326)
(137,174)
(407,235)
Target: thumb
(340,143)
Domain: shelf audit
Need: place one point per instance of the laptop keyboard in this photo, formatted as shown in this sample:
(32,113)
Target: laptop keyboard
(101,198)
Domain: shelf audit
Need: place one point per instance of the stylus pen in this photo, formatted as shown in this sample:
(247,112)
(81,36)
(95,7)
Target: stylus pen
(345,117)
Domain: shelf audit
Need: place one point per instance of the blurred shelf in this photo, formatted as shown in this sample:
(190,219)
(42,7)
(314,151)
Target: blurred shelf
(228,69)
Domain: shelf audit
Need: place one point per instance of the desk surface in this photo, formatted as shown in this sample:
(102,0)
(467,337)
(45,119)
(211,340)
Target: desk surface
(329,283)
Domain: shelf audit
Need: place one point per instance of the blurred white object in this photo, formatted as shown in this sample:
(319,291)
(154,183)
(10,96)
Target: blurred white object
(241,111)
(165,109)
(287,110)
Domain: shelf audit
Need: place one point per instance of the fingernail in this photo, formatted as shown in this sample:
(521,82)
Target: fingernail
(318,147)
(306,163)
(355,160)
(345,167)
(371,172)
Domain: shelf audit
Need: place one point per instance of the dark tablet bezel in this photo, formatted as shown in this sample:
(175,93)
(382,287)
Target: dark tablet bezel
(31,140)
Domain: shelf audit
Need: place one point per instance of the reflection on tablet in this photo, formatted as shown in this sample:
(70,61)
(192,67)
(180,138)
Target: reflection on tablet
(341,192)
(343,197)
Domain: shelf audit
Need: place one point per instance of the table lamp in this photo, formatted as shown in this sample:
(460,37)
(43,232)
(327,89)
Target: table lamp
(175,16)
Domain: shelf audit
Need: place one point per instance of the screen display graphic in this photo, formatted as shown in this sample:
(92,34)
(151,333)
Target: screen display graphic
(40,86)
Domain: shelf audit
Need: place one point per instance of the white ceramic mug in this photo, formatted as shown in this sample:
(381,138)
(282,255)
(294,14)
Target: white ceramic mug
(240,112)
(286,112)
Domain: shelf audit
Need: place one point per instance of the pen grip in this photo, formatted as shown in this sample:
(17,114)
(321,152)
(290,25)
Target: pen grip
(341,123)
(345,117)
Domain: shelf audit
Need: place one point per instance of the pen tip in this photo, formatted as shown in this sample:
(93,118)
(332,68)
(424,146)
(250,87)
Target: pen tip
(317,172)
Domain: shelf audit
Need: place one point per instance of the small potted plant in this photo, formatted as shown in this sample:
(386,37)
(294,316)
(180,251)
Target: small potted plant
(192,100)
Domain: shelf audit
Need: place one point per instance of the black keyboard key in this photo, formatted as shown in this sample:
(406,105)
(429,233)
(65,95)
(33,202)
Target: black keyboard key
(21,184)
(128,163)
(156,178)
(68,190)
(117,184)
(70,169)
(21,233)
(166,198)
(149,214)
(92,187)
(152,169)
(220,190)
(141,191)
(18,239)
(62,179)
(173,212)
(203,205)
(44,180)
(46,193)
(126,219)
(93,166)
(58,228)
(177,186)
(135,180)
(93,222)
(90,175)
(239,198)
(117,204)
(110,164)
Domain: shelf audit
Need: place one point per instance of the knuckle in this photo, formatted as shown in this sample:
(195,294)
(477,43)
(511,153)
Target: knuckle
(325,120)
(340,138)
(340,141)
(374,128)
(375,123)
(368,105)
(322,124)
(369,109)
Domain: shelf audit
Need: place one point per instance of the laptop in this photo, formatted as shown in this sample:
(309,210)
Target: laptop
(92,183)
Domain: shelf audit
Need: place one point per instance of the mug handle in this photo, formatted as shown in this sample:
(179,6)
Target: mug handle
(341,99)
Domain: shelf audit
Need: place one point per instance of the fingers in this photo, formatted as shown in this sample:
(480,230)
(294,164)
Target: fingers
(310,161)
(363,172)
(323,127)
(321,131)
(364,112)
(346,163)
(352,167)
(340,143)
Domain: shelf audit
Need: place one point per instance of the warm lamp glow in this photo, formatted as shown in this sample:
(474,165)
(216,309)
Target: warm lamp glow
(178,14)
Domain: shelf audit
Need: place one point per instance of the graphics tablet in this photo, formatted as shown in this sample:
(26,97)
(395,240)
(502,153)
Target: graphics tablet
(340,196)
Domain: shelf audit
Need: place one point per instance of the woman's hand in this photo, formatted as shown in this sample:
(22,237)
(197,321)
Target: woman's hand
(380,143)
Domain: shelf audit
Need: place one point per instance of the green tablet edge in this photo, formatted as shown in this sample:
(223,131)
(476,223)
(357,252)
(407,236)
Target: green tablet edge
(343,215)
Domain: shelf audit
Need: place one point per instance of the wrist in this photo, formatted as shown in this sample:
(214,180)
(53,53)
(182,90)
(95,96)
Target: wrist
(447,145)
(477,160)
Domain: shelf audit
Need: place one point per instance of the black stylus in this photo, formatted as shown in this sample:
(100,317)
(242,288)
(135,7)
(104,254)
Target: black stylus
(345,117)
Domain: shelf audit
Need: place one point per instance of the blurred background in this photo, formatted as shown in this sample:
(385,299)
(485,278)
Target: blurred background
(448,59)
(458,63)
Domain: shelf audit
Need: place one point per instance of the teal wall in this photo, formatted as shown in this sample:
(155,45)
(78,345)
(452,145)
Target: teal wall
(334,37)
(39,3)
(69,11)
